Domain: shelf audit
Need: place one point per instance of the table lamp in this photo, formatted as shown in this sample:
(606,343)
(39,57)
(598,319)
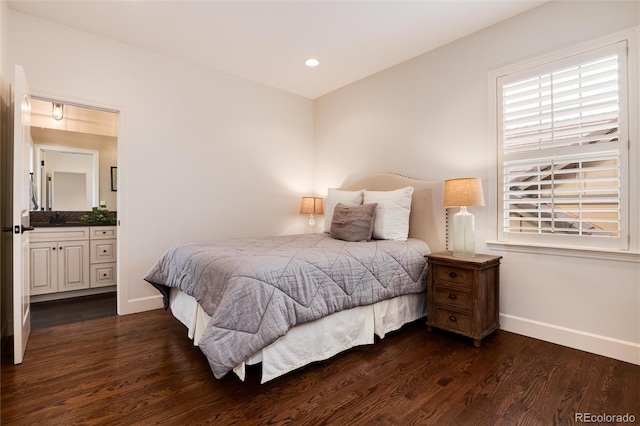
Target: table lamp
(311,206)
(463,192)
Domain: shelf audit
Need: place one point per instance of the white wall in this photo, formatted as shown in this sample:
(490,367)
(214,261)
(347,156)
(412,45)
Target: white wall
(428,118)
(202,154)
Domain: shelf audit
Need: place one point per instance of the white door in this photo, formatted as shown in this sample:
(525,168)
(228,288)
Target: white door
(21,205)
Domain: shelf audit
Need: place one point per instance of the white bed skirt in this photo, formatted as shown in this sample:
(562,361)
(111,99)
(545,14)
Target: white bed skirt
(313,341)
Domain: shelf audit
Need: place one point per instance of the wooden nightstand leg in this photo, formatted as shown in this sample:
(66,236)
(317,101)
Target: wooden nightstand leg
(429,328)
(477,343)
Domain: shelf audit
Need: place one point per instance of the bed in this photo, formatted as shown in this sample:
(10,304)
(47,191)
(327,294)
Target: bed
(287,301)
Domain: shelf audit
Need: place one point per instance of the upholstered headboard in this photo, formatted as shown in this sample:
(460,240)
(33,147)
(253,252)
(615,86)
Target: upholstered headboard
(428,218)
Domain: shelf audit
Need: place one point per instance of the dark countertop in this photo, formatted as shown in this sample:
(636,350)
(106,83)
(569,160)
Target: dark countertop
(66,224)
(56,219)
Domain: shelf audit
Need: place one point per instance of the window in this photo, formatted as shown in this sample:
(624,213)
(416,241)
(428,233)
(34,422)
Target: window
(563,148)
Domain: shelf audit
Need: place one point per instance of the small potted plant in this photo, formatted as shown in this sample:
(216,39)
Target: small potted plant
(99,216)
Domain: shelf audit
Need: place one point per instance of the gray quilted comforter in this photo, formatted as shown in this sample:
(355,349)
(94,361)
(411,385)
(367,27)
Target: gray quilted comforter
(255,289)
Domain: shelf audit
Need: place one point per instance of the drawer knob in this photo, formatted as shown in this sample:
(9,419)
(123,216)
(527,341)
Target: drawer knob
(453,275)
(453,319)
(453,296)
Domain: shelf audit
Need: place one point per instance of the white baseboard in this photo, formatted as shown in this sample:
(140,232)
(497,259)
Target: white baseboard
(71,294)
(140,305)
(602,345)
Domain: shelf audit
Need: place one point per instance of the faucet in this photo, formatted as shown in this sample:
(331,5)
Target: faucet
(56,218)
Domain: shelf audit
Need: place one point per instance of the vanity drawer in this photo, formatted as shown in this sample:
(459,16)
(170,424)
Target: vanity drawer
(67,233)
(454,320)
(102,251)
(102,232)
(451,297)
(103,274)
(451,274)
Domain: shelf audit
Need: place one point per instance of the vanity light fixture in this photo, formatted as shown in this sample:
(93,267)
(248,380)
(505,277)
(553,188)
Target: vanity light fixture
(312,62)
(463,192)
(57,112)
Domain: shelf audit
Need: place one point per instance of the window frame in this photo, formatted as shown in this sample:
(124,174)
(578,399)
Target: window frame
(629,185)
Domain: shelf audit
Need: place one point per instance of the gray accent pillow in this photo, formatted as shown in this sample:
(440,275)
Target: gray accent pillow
(353,223)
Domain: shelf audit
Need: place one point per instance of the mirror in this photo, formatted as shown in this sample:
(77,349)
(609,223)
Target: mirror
(72,158)
(65,179)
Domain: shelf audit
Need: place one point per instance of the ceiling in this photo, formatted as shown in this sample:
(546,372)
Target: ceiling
(76,119)
(268,41)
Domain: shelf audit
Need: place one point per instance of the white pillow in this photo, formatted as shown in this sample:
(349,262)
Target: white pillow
(335,196)
(392,213)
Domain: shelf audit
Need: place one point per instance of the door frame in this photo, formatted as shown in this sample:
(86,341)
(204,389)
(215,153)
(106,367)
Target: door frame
(121,287)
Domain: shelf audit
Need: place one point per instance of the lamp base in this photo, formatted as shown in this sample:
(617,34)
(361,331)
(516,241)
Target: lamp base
(463,234)
(310,227)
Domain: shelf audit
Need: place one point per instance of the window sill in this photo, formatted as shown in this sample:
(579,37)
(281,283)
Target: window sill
(581,252)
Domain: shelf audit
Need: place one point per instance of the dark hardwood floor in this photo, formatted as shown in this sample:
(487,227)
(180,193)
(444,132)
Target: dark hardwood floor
(141,369)
(76,309)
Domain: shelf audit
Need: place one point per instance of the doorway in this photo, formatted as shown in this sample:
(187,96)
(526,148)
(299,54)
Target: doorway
(73,152)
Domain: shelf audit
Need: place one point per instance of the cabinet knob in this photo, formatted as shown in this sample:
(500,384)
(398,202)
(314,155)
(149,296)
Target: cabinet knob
(453,275)
(453,296)
(453,319)
(54,248)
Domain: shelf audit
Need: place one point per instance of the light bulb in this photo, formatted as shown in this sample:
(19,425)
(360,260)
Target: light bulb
(57,113)
(312,62)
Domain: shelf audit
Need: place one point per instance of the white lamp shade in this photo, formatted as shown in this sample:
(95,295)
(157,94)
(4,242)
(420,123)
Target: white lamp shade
(463,192)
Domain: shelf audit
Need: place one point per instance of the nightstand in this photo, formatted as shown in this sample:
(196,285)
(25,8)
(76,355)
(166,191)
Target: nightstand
(463,294)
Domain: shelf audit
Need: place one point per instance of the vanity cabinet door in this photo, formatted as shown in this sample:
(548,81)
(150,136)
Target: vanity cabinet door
(43,276)
(73,265)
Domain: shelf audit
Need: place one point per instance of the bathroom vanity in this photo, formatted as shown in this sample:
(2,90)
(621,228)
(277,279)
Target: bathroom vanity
(66,257)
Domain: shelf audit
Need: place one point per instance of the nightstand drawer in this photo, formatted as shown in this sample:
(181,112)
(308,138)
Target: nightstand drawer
(450,297)
(459,276)
(454,320)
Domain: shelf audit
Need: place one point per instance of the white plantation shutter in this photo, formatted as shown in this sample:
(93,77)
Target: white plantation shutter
(563,140)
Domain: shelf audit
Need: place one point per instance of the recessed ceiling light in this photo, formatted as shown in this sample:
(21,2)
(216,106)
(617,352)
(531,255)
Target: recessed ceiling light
(312,62)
